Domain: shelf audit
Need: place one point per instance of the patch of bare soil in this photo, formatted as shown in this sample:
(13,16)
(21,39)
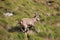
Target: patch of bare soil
(57,24)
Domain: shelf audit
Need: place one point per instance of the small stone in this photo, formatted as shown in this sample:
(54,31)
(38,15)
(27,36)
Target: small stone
(50,2)
(48,14)
(58,24)
(8,14)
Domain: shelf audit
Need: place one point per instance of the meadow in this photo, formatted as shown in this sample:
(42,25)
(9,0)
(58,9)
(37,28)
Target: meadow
(48,28)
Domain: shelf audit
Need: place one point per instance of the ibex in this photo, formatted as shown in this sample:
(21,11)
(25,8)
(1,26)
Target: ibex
(28,22)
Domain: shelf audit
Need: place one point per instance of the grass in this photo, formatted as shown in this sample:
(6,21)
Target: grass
(26,9)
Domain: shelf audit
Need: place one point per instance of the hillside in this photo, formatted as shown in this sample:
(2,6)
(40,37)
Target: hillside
(48,28)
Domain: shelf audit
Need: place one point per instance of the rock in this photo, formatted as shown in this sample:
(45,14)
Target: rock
(58,24)
(48,14)
(8,14)
(49,2)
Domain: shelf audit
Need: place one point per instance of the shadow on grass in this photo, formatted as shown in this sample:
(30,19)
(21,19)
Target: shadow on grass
(15,29)
(18,29)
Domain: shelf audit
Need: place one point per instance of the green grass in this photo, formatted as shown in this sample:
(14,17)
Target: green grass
(26,9)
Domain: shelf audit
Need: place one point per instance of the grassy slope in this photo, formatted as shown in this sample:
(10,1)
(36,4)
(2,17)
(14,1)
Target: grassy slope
(27,8)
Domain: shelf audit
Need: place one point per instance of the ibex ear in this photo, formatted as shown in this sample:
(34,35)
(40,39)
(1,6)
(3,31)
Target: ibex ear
(40,16)
(36,14)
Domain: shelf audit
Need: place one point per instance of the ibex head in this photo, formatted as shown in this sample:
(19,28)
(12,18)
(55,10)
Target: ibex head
(36,16)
